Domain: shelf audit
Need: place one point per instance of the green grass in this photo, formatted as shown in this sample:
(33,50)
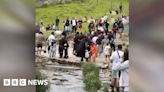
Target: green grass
(91,77)
(40,88)
(79,10)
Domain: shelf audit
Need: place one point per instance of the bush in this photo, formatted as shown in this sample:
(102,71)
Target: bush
(91,77)
(40,88)
(89,67)
(105,89)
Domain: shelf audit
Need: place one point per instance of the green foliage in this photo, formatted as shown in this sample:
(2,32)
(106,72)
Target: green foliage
(91,77)
(89,8)
(105,89)
(40,88)
(89,67)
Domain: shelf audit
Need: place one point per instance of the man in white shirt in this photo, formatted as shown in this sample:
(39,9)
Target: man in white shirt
(51,39)
(115,58)
(74,23)
(94,39)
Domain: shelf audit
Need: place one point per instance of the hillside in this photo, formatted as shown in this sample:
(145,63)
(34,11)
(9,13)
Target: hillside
(79,9)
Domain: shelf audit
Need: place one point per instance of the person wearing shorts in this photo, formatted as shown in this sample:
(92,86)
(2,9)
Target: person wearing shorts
(39,42)
(115,58)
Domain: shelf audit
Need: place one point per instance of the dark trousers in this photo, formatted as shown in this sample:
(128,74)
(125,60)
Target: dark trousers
(61,52)
(61,55)
(82,58)
(73,28)
(106,31)
(65,53)
(112,46)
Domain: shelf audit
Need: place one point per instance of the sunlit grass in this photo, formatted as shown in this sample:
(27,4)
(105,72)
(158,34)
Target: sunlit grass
(79,10)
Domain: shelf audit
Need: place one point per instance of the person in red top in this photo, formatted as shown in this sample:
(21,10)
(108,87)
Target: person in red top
(93,49)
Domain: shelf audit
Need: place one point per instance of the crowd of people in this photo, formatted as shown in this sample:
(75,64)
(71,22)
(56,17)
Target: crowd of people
(98,41)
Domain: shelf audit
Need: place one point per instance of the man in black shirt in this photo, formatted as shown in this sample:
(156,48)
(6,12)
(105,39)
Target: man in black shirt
(67,24)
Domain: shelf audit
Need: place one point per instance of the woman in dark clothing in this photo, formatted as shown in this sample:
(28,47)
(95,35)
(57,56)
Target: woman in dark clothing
(111,40)
(67,24)
(115,29)
(91,27)
(106,27)
(82,49)
(66,45)
(76,43)
(61,47)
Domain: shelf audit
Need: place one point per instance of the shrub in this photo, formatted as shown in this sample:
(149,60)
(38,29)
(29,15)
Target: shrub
(40,88)
(91,77)
(89,67)
(105,89)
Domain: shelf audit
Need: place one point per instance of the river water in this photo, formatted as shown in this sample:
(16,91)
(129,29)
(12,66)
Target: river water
(64,79)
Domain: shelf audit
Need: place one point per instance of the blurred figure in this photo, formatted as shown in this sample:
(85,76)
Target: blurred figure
(67,25)
(111,40)
(52,49)
(61,47)
(66,45)
(37,28)
(120,8)
(41,22)
(107,51)
(39,42)
(91,27)
(120,28)
(105,41)
(57,21)
(93,49)
(99,43)
(82,49)
(123,67)
(115,29)
(76,43)
(106,27)
(79,25)
(51,39)
(74,24)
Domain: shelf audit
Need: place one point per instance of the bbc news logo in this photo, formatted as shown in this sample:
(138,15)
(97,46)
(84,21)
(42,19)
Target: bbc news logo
(23,82)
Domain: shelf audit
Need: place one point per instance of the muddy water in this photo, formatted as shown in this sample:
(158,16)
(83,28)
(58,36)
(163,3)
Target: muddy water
(64,79)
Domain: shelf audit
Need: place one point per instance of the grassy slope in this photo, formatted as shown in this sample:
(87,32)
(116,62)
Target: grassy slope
(78,9)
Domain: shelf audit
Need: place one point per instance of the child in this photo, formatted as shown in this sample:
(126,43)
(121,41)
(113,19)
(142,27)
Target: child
(107,51)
